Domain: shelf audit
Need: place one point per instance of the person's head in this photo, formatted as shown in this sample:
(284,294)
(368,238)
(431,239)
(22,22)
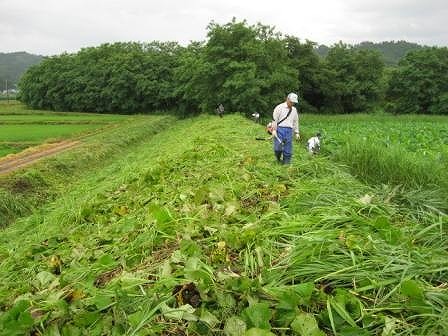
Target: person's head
(318,134)
(292,99)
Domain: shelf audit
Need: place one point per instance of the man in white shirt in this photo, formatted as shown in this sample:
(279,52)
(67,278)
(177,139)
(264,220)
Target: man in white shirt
(285,123)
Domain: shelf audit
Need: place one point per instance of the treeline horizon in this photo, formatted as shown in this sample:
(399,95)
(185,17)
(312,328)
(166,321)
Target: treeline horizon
(245,67)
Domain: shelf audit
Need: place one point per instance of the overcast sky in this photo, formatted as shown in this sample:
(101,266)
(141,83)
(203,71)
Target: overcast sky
(49,27)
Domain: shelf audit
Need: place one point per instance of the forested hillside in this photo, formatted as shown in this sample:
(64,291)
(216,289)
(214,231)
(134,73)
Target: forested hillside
(13,65)
(391,51)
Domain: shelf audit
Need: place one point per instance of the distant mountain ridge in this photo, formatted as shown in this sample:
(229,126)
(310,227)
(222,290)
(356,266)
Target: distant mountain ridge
(13,65)
(392,51)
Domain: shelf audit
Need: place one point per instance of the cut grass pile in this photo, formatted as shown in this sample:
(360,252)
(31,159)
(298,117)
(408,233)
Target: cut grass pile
(306,249)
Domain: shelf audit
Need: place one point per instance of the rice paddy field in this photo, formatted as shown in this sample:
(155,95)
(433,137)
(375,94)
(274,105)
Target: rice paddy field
(184,232)
(21,128)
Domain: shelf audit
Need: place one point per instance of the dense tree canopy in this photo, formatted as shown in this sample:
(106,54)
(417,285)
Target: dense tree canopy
(420,83)
(246,68)
(120,77)
(352,79)
(310,73)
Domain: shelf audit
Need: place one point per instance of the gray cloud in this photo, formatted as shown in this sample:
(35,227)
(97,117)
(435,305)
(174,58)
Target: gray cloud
(52,26)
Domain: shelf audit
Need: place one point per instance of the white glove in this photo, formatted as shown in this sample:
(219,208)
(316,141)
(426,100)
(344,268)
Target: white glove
(297,136)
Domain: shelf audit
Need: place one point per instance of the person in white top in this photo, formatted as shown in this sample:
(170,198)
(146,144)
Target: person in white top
(256,116)
(220,110)
(285,123)
(313,144)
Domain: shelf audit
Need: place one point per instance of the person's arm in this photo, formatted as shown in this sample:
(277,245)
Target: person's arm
(275,116)
(295,125)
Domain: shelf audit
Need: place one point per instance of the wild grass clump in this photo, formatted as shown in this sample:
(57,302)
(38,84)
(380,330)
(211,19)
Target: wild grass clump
(394,166)
(391,165)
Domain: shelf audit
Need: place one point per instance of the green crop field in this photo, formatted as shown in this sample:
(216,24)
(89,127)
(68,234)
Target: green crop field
(39,133)
(402,150)
(21,128)
(193,229)
(422,134)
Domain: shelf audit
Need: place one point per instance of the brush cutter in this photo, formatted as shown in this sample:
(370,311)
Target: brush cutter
(270,138)
(270,129)
(274,133)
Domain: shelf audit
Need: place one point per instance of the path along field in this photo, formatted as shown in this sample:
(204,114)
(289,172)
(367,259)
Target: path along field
(196,231)
(21,128)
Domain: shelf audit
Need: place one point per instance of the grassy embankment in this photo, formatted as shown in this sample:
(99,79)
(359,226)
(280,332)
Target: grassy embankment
(308,249)
(102,137)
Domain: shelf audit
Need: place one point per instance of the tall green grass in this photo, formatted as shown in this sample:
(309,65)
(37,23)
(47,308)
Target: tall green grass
(392,165)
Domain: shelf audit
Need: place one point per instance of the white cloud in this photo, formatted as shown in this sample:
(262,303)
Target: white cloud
(51,26)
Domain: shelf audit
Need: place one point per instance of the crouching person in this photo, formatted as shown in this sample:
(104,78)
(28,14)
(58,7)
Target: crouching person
(313,144)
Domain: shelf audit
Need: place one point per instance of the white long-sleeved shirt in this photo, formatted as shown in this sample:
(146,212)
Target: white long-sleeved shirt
(281,111)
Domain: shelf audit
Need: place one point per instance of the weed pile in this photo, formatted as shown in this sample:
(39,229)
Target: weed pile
(197,231)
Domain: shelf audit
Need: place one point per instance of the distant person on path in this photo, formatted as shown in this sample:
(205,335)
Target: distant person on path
(313,144)
(285,123)
(256,117)
(220,110)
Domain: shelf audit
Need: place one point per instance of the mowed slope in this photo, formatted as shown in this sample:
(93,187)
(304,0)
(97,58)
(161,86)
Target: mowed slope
(202,210)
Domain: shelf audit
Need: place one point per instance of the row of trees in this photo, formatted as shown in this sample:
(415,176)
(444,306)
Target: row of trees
(246,68)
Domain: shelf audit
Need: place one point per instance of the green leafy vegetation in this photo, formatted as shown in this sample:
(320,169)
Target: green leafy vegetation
(406,150)
(308,249)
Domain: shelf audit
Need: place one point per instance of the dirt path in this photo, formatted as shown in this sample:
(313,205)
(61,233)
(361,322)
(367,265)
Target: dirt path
(30,155)
(13,162)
